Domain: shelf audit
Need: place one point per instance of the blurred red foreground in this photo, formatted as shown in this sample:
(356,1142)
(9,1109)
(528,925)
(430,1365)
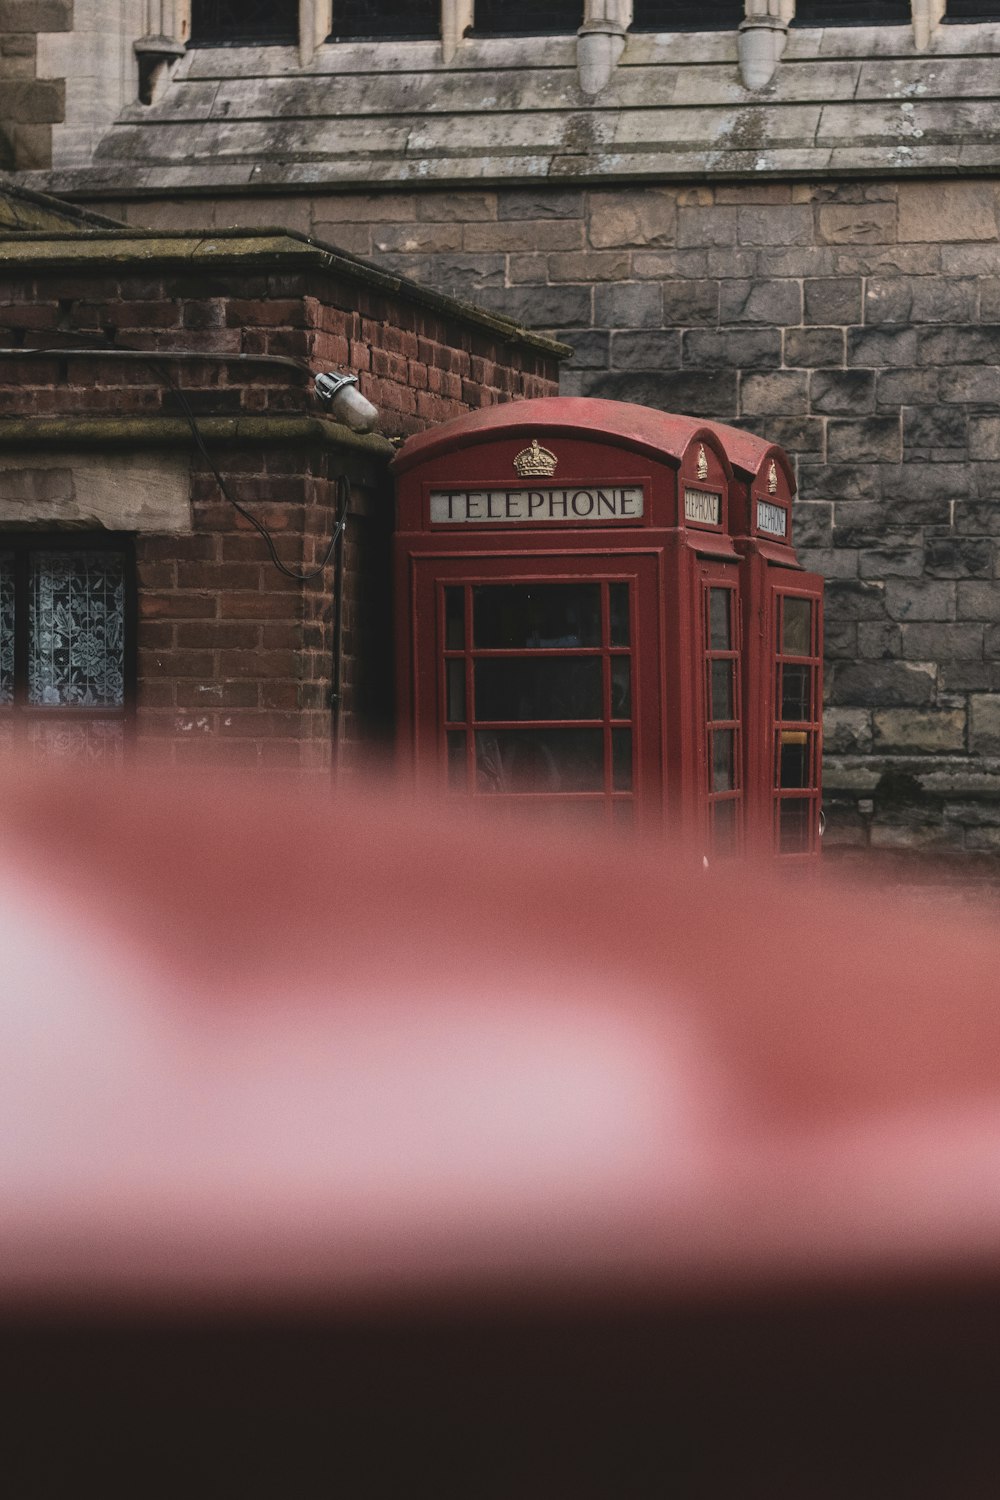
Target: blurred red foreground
(442,1096)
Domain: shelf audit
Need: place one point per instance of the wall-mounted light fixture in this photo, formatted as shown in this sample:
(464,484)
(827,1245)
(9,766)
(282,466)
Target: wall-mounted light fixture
(346,403)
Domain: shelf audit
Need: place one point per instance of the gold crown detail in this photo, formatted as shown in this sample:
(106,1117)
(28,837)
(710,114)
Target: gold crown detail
(535,460)
(772,479)
(702,462)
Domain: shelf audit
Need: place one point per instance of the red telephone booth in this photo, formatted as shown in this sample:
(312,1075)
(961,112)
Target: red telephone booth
(570,618)
(783,654)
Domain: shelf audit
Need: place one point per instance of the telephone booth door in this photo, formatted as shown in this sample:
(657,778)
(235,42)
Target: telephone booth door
(794,627)
(538,684)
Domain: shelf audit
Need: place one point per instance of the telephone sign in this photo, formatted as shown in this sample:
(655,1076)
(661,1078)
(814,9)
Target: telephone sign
(571,618)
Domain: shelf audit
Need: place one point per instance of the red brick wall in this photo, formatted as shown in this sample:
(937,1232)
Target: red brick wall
(233,657)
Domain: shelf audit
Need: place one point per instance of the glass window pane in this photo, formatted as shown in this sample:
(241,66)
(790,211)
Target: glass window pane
(6,627)
(796,693)
(621,759)
(687,15)
(724,826)
(540,760)
(76,624)
(527,17)
(795,819)
(456,691)
(722,690)
(620,627)
(221,23)
(719,635)
(539,688)
(797,627)
(536,616)
(621,687)
(723,744)
(457,766)
(454,619)
(793,758)
(382,20)
(853,13)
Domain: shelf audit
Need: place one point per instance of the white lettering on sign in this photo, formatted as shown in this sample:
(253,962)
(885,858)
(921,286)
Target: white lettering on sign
(771,518)
(700,506)
(587,503)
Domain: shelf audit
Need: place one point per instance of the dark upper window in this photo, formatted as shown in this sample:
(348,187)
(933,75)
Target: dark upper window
(384,20)
(66,644)
(853,13)
(687,15)
(242,23)
(972,10)
(527,17)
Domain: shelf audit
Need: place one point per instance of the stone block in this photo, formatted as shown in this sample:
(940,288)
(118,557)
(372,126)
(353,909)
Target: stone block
(868,439)
(460,207)
(976,518)
(538,203)
(875,347)
(755,192)
(795,434)
(854,224)
(829,562)
(984,437)
(929,428)
(771,302)
(959,557)
(944,299)
(840,640)
(706,226)
(907,387)
(947,642)
(892,561)
(839,482)
(647,216)
(590,347)
(812,348)
(991,643)
(879,640)
(891,260)
(729,261)
(842,392)
(954,210)
(525,270)
(374,208)
(970,384)
(978,600)
(959,344)
(833,300)
(848,599)
(628,304)
(989,299)
(909,731)
(690,302)
(984,723)
(888,300)
(778,224)
(739,348)
(970,260)
(541,306)
(883,684)
(847,731)
(653,350)
(29,101)
(965,676)
(36,15)
(698,393)
(931,600)
(588,265)
(812,523)
(417,239)
(528,235)
(457,273)
(776,393)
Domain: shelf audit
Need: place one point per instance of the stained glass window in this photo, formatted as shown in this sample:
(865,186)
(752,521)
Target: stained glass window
(383,20)
(235,23)
(65,646)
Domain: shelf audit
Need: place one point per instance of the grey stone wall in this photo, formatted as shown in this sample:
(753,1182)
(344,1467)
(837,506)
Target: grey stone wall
(857,324)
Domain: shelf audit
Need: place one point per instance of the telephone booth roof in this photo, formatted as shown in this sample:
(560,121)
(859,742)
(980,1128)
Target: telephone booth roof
(748,453)
(618,423)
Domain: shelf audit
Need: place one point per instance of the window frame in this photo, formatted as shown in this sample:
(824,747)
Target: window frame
(22,543)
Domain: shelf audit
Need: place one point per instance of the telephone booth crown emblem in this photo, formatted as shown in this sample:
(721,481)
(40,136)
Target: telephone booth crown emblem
(535,460)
